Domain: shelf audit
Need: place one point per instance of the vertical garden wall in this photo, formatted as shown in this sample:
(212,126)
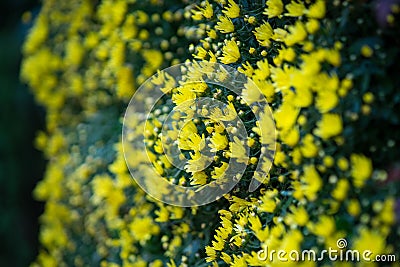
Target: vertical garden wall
(330,73)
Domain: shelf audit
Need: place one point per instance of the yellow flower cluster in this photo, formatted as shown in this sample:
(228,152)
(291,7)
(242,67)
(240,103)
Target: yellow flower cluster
(83,62)
(299,75)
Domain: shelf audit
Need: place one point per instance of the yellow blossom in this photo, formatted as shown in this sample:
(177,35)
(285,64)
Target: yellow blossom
(199,178)
(230,52)
(211,254)
(295,9)
(312,26)
(206,12)
(291,136)
(286,116)
(371,240)
(341,189)
(326,100)
(263,34)
(317,10)
(324,227)
(311,183)
(298,216)
(218,142)
(225,25)
(366,51)
(308,148)
(353,207)
(297,34)
(232,10)
(37,35)
(219,172)
(274,8)
(330,125)
(361,169)
(342,163)
(237,150)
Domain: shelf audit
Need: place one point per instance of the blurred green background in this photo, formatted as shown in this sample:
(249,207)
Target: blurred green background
(21,166)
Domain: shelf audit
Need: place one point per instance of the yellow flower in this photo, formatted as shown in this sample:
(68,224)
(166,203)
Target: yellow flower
(162,214)
(246,69)
(74,52)
(237,150)
(285,54)
(201,53)
(156,263)
(195,142)
(232,10)
(230,52)
(324,227)
(256,226)
(326,100)
(225,25)
(199,178)
(225,257)
(251,93)
(239,261)
(102,185)
(143,228)
(262,71)
(264,34)
(353,207)
(37,35)
(388,214)
(317,10)
(281,77)
(184,97)
(252,19)
(309,185)
(330,125)
(297,34)
(308,148)
(312,26)
(274,8)
(219,172)
(206,12)
(361,169)
(265,129)
(341,189)
(286,116)
(342,163)
(292,240)
(291,136)
(366,51)
(171,263)
(211,254)
(369,239)
(125,82)
(218,142)
(197,163)
(368,97)
(298,216)
(268,203)
(188,129)
(212,34)
(295,9)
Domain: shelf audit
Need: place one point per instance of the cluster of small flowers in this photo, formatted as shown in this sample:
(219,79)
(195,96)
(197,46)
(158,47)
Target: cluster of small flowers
(327,71)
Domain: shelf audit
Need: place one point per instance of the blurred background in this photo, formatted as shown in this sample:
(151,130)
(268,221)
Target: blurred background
(21,165)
